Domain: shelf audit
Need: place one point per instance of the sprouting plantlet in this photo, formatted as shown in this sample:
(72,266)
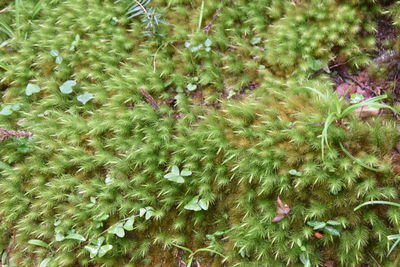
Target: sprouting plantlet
(395,237)
(191,87)
(147,212)
(96,248)
(356,98)
(295,173)
(57,55)
(177,176)
(32,89)
(67,87)
(339,113)
(304,257)
(192,253)
(197,204)
(71,234)
(84,98)
(328,227)
(194,48)
(151,19)
(9,109)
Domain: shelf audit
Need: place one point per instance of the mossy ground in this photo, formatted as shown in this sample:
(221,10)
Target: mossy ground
(250,120)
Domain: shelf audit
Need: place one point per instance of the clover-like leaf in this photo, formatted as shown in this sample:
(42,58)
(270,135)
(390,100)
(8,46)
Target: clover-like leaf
(186,172)
(66,88)
(59,60)
(295,173)
(75,237)
(54,53)
(104,249)
(193,205)
(38,243)
(175,170)
(128,225)
(197,204)
(59,237)
(208,43)
(203,204)
(117,229)
(92,250)
(84,98)
(31,89)
(191,87)
(7,110)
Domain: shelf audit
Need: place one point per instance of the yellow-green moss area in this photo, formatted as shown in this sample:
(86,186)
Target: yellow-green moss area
(232,81)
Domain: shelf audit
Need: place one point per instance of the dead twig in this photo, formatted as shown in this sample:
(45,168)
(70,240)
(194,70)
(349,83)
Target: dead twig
(6,134)
(149,99)
(209,26)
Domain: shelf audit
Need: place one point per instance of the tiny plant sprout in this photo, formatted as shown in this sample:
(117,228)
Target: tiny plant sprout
(31,89)
(84,98)
(66,88)
(295,173)
(191,87)
(56,54)
(197,204)
(177,176)
(96,248)
(147,212)
(356,98)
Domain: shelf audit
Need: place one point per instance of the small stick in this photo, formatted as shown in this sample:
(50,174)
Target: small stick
(5,134)
(150,99)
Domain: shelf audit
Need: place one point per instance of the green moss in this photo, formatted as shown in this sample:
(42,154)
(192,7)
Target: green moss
(117,147)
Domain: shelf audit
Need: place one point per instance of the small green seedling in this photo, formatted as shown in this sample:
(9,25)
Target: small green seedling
(84,98)
(147,212)
(66,88)
(304,258)
(177,176)
(197,204)
(96,248)
(119,228)
(9,109)
(295,173)
(56,54)
(32,89)
(356,98)
(192,253)
(327,227)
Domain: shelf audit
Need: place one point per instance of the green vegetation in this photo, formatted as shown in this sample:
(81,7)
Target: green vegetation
(143,129)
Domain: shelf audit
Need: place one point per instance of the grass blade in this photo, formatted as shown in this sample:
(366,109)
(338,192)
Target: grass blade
(377,202)
(359,161)
(364,103)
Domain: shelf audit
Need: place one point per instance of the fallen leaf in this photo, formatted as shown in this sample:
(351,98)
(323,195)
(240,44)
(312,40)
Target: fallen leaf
(282,211)
(345,89)
(366,112)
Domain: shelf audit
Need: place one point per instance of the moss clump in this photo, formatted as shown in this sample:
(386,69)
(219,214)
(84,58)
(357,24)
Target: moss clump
(91,167)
